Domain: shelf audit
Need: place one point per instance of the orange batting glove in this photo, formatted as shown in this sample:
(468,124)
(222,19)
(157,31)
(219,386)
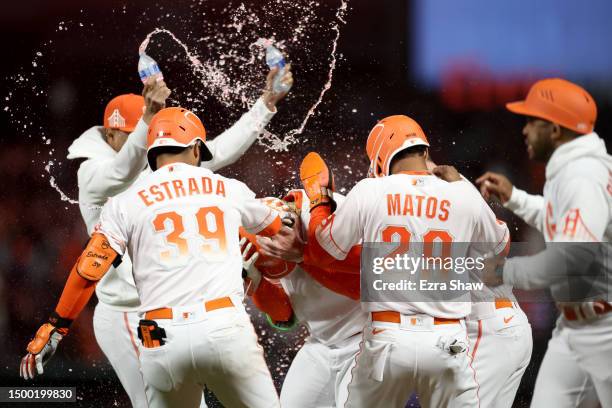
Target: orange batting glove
(43,346)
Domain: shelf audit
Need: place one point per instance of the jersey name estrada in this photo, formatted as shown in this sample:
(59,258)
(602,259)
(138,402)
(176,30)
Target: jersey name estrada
(179,225)
(409,208)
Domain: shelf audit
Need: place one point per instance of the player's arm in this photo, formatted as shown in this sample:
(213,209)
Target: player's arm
(330,236)
(529,207)
(235,141)
(344,283)
(269,297)
(257,218)
(89,268)
(491,236)
(106,178)
(574,247)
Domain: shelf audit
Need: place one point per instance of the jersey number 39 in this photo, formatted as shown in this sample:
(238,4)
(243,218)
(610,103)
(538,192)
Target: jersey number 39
(210,231)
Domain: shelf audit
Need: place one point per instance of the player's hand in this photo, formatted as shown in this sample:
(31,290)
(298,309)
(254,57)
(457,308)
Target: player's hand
(447,173)
(40,351)
(155,94)
(251,274)
(317,180)
(287,244)
(496,185)
(270,97)
(592,310)
(492,273)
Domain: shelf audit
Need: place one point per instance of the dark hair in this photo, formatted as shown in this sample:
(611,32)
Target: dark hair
(418,150)
(152,155)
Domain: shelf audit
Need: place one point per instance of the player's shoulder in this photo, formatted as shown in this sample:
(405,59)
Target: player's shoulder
(235,186)
(586,169)
(369,183)
(464,193)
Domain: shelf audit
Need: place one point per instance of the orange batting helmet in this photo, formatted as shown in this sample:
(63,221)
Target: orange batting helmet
(390,136)
(559,101)
(175,127)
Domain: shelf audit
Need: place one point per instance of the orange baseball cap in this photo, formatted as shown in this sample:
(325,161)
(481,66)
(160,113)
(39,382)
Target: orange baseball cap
(559,101)
(123,112)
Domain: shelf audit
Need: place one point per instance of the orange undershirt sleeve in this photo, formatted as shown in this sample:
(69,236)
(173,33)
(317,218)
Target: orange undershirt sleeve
(271,298)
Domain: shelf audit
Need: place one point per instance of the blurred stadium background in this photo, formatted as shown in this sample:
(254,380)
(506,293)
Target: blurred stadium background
(451,65)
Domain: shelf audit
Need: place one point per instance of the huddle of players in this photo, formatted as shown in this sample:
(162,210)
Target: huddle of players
(180,225)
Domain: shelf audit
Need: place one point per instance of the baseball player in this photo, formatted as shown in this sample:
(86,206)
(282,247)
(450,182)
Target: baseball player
(334,322)
(180,226)
(114,158)
(576,208)
(496,325)
(407,346)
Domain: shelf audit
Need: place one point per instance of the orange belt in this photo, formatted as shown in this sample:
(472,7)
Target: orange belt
(570,313)
(396,317)
(166,313)
(501,303)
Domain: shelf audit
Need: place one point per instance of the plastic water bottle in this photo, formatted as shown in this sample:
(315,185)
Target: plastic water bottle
(274,58)
(147,67)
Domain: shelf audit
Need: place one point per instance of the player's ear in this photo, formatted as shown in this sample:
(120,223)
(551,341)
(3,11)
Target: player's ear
(556,132)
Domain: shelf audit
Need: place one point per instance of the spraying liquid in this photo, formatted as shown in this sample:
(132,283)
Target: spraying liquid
(220,85)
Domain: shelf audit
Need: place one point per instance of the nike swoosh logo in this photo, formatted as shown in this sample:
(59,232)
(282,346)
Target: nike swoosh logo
(376,331)
(507,319)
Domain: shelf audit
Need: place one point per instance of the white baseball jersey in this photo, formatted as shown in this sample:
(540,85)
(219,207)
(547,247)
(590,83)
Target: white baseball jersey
(329,317)
(412,207)
(106,173)
(180,226)
(576,207)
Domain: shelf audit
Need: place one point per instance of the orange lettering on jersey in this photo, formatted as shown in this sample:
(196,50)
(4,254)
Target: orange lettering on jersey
(551,227)
(206,185)
(155,191)
(220,188)
(408,205)
(144,198)
(419,199)
(431,207)
(167,189)
(179,190)
(193,187)
(444,207)
(393,204)
(571,222)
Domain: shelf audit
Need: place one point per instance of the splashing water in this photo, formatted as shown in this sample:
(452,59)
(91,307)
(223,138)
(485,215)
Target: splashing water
(273,142)
(234,84)
(227,90)
(53,184)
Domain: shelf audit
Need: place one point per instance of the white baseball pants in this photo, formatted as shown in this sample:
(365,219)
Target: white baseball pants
(217,348)
(316,373)
(116,334)
(577,367)
(501,346)
(396,360)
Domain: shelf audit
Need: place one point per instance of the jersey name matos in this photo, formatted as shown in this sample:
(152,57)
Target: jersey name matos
(409,207)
